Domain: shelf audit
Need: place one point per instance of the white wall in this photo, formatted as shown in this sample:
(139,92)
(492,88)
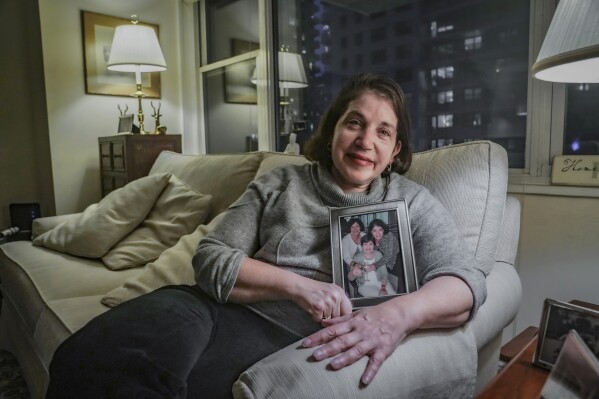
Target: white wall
(76,119)
(558,254)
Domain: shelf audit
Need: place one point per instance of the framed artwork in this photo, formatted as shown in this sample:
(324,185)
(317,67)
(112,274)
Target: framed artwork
(239,88)
(558,319)
(97,33)
(373,257)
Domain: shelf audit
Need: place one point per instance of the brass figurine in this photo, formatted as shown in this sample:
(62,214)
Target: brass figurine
(160,129)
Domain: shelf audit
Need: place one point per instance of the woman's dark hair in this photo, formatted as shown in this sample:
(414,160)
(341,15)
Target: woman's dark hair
(318,146)
(367,238)
(380,223)
(356,220)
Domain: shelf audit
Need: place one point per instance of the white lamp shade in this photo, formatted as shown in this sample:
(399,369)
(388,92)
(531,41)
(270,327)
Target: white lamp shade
(291,71)
(570,51)
(135,48)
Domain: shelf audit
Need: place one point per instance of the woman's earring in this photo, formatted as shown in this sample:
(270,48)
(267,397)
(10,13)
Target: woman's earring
(389,168)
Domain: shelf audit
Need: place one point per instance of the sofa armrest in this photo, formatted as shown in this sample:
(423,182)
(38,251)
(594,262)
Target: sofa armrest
(41,225)
(428,364)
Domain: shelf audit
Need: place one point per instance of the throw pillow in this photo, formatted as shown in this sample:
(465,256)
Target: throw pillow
(177,211)
(93,232)
(172,267)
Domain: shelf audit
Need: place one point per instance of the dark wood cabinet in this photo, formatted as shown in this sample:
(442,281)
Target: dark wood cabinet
(127,157)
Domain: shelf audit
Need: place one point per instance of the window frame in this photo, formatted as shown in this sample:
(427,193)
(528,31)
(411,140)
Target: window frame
(546,104)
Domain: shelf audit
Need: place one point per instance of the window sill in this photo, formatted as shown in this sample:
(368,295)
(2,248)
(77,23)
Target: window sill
(548,189)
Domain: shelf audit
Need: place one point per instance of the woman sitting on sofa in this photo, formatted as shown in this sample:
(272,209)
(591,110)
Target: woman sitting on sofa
(264,273)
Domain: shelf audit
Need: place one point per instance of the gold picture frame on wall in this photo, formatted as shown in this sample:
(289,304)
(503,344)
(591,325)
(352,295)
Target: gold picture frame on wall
(97,33)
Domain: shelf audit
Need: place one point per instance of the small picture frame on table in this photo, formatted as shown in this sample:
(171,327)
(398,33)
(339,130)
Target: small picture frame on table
(557,320)
(357,267)
(125,124)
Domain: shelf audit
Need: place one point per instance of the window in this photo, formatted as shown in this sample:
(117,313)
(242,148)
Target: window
(442,121)
(473,43)
(444,97)
(493,96)
(471,94)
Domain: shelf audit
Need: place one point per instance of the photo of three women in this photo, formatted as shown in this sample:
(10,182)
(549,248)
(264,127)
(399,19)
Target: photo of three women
(370,257)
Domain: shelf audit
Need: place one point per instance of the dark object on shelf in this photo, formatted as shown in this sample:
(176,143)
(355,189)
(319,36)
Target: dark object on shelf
(21,217)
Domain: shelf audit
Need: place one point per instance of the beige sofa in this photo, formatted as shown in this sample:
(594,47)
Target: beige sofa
(47,295)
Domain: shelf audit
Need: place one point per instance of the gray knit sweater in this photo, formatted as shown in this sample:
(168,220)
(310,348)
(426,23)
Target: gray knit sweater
(283,219)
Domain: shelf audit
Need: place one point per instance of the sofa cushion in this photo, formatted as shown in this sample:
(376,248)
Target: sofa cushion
(470,180)
(102,225)
(274,159)
(32,276)
(225,177)
(178,211)
(172,267)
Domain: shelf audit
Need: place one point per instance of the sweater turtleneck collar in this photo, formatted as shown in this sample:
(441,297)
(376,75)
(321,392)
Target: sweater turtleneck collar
(332,195)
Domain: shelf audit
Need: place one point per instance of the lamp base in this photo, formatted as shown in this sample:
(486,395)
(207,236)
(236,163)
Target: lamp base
(140,112)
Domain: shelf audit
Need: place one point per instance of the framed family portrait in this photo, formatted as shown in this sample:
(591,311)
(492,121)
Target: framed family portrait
(557,320)
(373,256)
(97,33)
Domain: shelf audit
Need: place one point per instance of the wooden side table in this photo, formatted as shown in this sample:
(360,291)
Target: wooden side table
(127,157)
(519,379)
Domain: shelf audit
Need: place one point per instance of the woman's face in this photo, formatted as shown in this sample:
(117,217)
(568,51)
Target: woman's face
(368,247)
(355,229)
(364,142)
(377,232)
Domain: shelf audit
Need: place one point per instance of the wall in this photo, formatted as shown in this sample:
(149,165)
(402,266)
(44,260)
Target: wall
(558,254)
(25,166)
(77,119)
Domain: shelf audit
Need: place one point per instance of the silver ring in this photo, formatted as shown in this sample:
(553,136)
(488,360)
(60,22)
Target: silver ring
(326,317)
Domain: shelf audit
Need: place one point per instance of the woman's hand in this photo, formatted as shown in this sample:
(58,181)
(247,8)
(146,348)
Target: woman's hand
(369,268)
(321,300)
(374,332)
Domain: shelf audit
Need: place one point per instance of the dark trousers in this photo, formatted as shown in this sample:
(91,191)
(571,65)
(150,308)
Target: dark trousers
(172,343)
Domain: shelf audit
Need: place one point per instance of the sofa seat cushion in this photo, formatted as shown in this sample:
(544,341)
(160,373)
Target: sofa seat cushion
(478,211)
(102,225)
(225,177)
(33,276)
(60,319)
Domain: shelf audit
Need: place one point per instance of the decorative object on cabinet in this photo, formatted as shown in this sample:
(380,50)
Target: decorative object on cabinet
(97,34)
(135,48)
(159,129)
(124,158)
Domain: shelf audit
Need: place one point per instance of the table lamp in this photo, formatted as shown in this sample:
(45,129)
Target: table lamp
(570,51)
(135,48)
(292,75)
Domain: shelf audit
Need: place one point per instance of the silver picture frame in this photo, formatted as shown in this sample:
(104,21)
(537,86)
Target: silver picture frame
(402,275)
(557,320)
